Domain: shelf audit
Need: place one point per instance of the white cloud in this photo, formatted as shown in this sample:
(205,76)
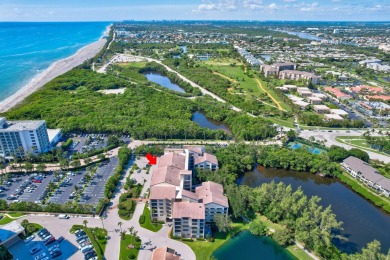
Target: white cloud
(227,5)
(309,7)
(253,4)
(273,6)
(207,7)
(289,1)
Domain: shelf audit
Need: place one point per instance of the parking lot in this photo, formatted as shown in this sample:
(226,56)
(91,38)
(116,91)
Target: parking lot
(68,185)
(95,190)
(22,250)
(87,142)
(22,188)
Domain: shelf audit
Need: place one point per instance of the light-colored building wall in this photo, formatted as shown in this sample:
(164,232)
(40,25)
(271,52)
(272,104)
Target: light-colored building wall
(20,137)
(212,209)
(188,227)
(161,210)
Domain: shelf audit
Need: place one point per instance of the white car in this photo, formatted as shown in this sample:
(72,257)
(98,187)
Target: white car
(28,239)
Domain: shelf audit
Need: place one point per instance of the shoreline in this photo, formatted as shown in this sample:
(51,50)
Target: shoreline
(54,70)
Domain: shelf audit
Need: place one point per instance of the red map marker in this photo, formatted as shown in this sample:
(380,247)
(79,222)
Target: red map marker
(152,159)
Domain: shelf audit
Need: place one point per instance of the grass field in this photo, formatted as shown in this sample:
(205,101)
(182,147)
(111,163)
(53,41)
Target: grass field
(358,142)
(127,253)
(148,223)
(5,220)
(245,83)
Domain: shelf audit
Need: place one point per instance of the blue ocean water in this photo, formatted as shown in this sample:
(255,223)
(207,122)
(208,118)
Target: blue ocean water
(29,48)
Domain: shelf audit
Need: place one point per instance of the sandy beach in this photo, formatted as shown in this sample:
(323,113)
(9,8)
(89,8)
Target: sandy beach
(56,69)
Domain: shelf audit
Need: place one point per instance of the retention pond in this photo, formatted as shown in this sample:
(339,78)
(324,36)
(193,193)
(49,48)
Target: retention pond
(162,80)
(363,222)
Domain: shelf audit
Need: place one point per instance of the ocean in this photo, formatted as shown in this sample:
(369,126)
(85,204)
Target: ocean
(26,49)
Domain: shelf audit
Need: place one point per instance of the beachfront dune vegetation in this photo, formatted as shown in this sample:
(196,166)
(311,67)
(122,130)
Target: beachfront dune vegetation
(71,102)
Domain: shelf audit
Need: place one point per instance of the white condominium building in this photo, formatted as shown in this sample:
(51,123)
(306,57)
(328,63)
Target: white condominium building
(188,219)
(172,197)
(19,137)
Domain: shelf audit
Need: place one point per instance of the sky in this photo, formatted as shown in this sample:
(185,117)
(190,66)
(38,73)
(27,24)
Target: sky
(117,10)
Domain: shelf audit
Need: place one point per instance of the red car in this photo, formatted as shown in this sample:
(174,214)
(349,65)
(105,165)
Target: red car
(51,240)
(37,181)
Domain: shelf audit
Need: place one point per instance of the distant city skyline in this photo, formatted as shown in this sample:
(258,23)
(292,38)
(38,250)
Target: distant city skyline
(116,10)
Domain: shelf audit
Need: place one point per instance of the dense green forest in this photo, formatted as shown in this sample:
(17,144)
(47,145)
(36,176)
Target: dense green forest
(72,102)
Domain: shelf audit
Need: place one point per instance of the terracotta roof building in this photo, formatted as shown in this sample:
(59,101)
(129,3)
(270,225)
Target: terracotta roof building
(164,253)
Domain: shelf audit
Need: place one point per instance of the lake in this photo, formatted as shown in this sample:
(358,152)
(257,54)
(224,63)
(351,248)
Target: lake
(163,81)
(302,35)
(247,246)
(363,222)
(203,121)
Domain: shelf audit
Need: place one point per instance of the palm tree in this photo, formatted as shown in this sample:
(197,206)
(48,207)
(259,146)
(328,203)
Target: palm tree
(101,218)
(120,225)
(123,234)
(85,222)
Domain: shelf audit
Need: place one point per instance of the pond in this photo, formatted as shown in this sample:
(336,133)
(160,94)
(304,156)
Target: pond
(363,222)
(302,35)
(162,80)
(247,246)
(203,121)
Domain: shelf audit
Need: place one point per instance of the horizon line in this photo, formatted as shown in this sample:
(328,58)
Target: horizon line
(196,20)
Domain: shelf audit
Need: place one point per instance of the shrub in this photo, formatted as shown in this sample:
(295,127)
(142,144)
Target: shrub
(142,219)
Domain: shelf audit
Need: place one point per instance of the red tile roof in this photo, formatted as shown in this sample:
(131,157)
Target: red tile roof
(188,210)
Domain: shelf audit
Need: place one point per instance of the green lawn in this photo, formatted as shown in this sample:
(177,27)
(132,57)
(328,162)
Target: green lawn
(358,142)
(148,224)
(298,252)
(5,220)
(97,236)
(366,192)
(30,231)
(126,252)
(16,214)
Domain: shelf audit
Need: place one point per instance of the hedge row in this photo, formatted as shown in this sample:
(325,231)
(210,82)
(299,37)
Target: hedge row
(379,202)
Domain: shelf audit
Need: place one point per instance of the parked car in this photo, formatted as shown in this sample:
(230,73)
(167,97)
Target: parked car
(84,244)
(35,249)
(86,248)
(40,256)
(80,234)
(28,239)
(83,240)
(53,247)
(60,239)
(55,253)
(63,216)
(90,255)
(41,231)
(50,240)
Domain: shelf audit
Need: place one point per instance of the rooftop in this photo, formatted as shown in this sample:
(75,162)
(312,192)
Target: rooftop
(164,253)
(10,230)
(172,159)
(211,192)
(22,125)
(162,192)
(207,157)
(370,173)
(188,210)
(166,174)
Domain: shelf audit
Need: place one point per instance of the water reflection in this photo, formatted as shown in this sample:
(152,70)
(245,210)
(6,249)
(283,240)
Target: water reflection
(363,222)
